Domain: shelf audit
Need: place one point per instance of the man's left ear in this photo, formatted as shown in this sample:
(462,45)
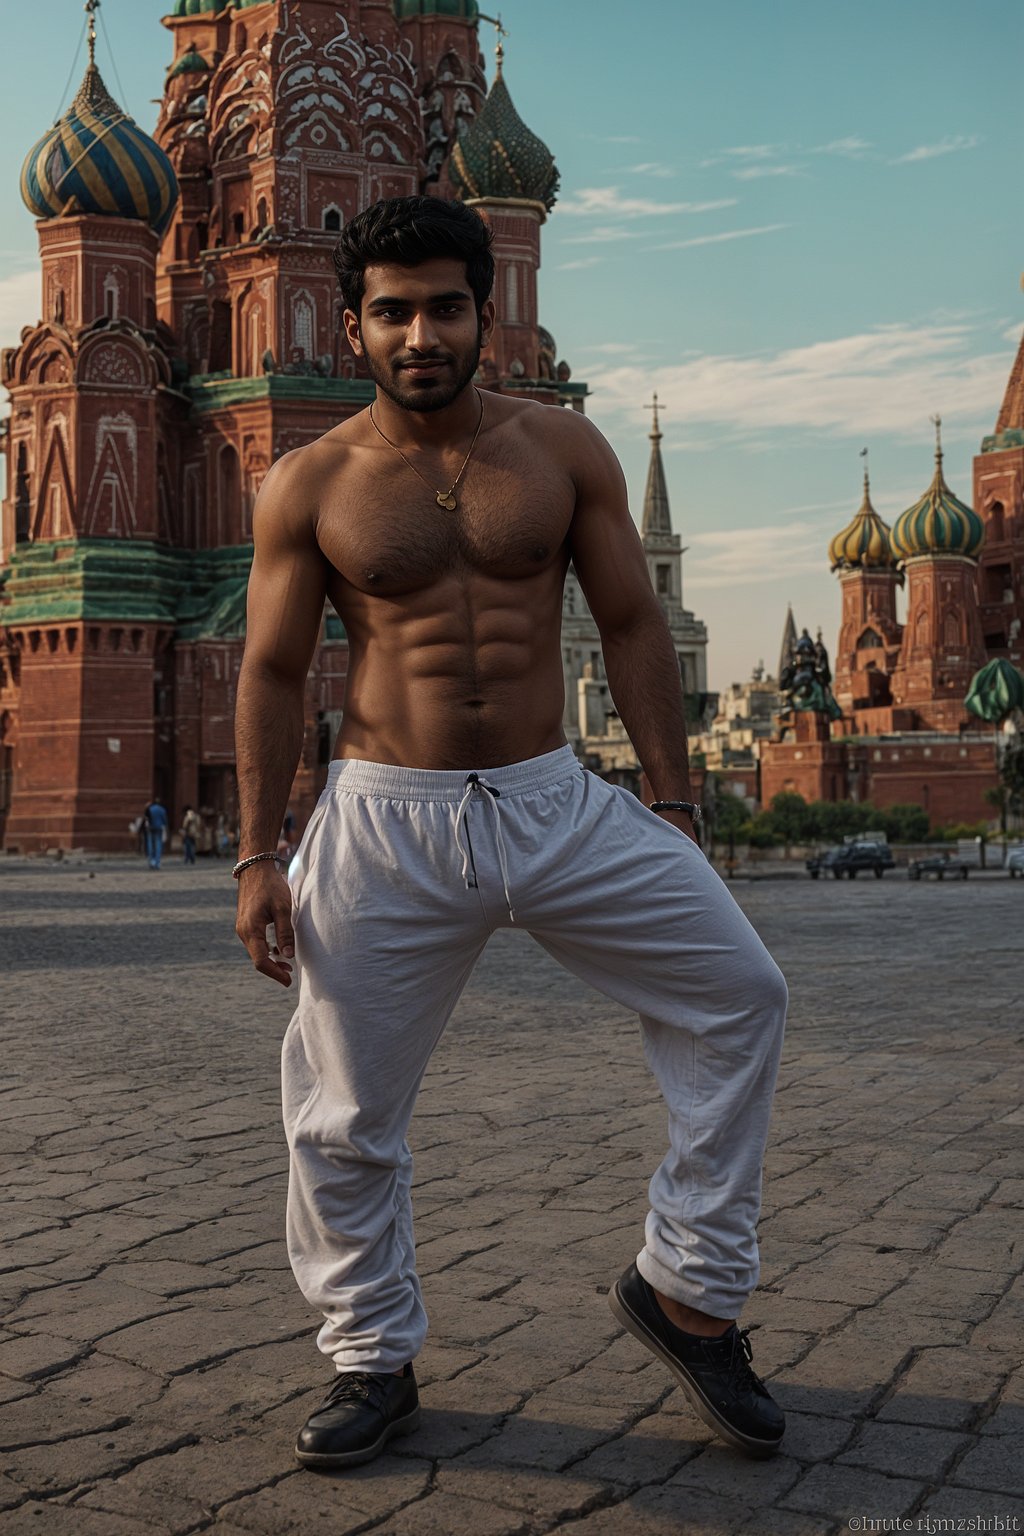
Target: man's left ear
(487,321)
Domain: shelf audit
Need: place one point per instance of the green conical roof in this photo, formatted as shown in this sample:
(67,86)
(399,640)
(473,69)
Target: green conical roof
(499,157)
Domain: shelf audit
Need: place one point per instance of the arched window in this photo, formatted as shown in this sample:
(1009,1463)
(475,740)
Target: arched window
(951,629)
(996,523)
(511,295)
(332,218)
(111,296)
(229,496)
(303,323)
(869,640)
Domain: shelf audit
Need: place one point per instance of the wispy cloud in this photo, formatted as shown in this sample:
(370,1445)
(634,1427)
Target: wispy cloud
(950,145)
(747,556)
(853,147)
(602,234)
(610,202)
(580,265)
(729,234)
(1013,333)
(652,168)
(745,152)
(611,138)
(755,172)
(886,381)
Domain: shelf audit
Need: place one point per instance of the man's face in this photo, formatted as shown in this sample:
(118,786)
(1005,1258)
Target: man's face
(419,332)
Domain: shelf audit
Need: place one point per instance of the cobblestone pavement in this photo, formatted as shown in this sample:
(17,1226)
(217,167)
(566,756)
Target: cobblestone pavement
(156,1358)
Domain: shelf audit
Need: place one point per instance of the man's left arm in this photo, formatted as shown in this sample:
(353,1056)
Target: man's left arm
(640,659)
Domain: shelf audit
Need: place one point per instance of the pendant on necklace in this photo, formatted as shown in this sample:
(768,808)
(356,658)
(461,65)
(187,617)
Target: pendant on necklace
(448,502)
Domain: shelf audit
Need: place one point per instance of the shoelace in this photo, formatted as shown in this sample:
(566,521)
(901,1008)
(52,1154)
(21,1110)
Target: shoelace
(355,1387)
(475,783)
(738,1365)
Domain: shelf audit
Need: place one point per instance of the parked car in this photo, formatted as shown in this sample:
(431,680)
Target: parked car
(940,865)
(850,859)
(1015,862)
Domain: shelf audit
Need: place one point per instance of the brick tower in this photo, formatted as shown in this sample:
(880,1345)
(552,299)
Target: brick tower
(191,335)
(868,648)
(999,499)
(938,540)
(92,409)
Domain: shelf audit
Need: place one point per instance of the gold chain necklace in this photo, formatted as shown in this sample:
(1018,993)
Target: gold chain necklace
(446,498)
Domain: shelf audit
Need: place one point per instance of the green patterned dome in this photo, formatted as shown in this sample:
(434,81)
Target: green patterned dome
(498,156)
(197,7)
(864,543)
(938,524)
(466,10)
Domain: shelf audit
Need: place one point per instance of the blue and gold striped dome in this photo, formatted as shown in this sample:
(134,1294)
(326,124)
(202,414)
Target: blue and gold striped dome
(938,524)
(96,159)
(863,544)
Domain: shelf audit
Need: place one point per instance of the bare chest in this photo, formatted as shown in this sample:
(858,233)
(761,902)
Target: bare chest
(387,535)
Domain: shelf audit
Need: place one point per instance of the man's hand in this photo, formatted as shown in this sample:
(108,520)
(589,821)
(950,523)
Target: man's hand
(680,819)
(265,901)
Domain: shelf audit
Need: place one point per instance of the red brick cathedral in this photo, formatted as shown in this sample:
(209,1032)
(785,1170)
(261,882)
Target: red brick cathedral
(191,334)
(905,736)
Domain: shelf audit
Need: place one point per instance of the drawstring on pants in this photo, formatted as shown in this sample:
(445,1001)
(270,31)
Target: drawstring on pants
(475,784)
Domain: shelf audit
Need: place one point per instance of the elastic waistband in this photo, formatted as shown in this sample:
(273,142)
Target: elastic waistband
(386,781)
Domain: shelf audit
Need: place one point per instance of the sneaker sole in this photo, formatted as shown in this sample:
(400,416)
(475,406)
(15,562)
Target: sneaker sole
(704,1410)
(392,1431)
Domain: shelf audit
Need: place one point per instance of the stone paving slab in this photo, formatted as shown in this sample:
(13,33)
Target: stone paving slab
(156,1358)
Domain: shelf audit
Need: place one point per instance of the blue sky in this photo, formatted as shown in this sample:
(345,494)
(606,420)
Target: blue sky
(801,224)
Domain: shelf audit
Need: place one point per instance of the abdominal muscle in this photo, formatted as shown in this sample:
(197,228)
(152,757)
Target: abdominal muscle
(466,674)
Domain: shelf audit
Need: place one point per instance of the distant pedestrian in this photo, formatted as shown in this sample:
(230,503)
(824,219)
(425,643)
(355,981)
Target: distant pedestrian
(154,819)
(190,829)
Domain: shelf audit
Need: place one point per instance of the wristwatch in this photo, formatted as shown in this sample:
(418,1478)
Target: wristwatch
(693,811)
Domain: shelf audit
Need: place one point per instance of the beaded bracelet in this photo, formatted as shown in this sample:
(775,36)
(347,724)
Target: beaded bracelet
(254,859)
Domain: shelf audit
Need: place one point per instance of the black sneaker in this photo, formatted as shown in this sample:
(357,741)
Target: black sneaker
(715,1374)
(360,1414)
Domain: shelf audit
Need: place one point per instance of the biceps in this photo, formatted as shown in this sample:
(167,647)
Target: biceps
(284,610)
(612,569)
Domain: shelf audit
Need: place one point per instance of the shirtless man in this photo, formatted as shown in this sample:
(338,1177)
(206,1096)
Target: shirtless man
(440,525)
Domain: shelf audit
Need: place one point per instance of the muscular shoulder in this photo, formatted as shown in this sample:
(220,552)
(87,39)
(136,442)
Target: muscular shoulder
(564,434)
(289,500)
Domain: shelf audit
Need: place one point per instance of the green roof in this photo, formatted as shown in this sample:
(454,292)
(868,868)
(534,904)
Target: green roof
(197,7)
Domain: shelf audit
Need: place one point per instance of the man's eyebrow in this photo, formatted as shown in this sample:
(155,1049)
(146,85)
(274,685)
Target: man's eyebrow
(386,302)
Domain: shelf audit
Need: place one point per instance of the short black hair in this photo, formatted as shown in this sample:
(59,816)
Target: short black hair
(409,231)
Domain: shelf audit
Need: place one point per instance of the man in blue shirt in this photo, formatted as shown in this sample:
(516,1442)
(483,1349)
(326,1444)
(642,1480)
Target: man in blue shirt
(154,821)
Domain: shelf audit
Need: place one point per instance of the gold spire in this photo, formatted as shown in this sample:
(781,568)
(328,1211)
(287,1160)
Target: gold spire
(90,8)
(937,424)
(499,50)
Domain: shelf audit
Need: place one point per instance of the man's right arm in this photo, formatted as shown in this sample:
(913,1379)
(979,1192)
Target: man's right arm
(287,587)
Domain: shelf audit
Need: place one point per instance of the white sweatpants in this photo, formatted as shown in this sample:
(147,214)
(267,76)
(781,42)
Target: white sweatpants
(400,879)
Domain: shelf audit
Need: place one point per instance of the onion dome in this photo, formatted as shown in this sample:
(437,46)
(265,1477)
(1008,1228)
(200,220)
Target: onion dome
(96,159)
(498,156)
(197,7)
(190,63)
(996,691)
(864,543)
(938,524)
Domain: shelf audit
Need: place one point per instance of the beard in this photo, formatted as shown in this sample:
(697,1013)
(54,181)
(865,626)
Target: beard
(411,394)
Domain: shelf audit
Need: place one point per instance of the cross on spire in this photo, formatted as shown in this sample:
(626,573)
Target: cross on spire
(499,50)
(655,433)
(936,422)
